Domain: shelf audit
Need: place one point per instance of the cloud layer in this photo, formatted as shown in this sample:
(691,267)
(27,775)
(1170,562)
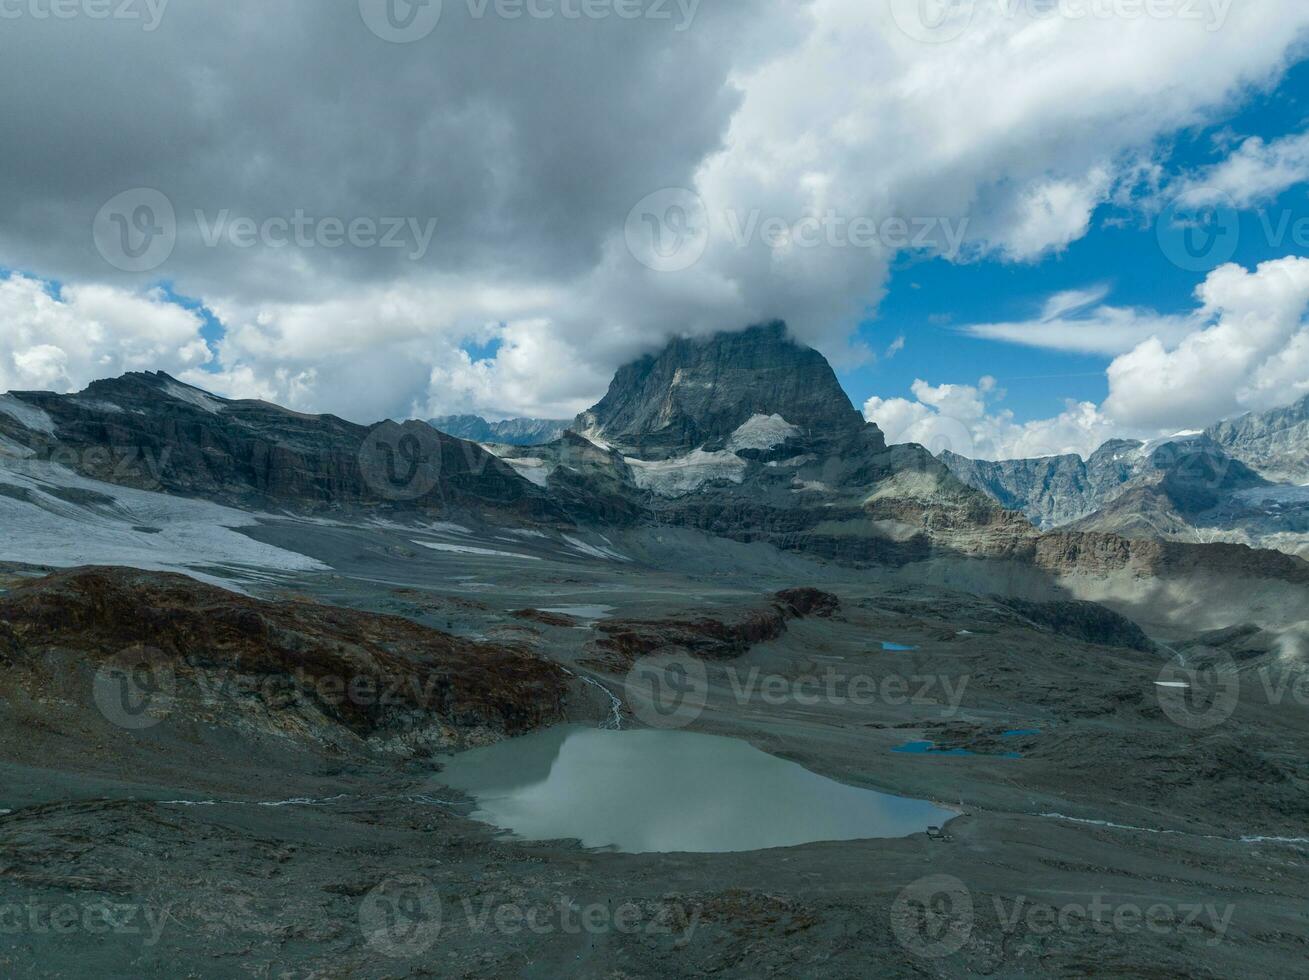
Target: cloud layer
(531,142)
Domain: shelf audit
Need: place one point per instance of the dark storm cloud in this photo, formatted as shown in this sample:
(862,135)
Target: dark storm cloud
(526,140)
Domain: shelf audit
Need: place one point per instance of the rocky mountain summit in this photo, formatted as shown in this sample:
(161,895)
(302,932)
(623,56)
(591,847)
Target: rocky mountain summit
(702,393)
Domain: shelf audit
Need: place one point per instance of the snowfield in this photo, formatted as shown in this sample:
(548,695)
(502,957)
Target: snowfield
(51,516)
(687,474)
(762,432)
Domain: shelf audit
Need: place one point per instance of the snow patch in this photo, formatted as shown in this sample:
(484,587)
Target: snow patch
(531,469)
(28,416)
(593,437)
(762,432)
(595,551)
(687,474)
(464,549)
(193,396)
(1276,495)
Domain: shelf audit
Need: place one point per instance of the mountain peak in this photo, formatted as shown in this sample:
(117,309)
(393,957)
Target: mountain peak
(700,391)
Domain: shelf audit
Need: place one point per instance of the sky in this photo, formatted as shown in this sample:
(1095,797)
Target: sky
(1015,227)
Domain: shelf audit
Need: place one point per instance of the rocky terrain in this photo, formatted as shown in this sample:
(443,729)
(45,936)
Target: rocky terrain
(1188,488)
(1274,444)
(247,757)
(149,431)
(509,432)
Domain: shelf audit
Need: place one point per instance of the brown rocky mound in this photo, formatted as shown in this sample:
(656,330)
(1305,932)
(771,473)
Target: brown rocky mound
(710,638)
(372,674)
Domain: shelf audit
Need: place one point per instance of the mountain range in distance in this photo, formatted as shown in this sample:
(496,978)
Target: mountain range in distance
(1243,480)
(508,432)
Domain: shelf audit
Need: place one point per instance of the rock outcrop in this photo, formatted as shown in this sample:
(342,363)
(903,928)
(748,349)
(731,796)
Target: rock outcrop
(297,669)
(713,637)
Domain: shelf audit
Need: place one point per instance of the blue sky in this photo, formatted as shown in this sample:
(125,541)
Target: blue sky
(928,300)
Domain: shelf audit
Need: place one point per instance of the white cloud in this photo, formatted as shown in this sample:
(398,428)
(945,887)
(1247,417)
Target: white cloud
(964,419)
(61,343)
(1256,171)
(530,142)
(1076,321)
(1252,353)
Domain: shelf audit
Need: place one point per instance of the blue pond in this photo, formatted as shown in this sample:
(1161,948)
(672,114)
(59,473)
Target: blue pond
(1020,732)
(929,748)
(897,647)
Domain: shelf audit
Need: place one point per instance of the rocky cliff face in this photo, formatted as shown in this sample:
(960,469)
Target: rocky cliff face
(1186,489)
(1275,443)
(510,432)
(699,393)
(1053,490)
(152,432)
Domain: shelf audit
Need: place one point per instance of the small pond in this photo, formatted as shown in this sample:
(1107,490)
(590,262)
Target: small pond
(665,791)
